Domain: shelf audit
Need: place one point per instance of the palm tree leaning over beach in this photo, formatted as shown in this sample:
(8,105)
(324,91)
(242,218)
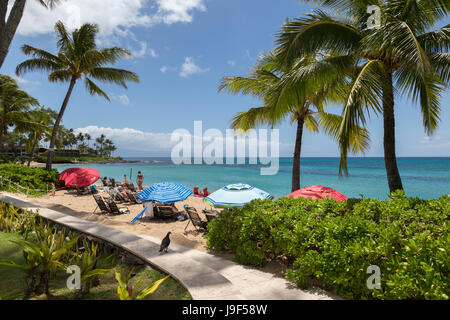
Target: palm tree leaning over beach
(269,81)
(78,58)
(399,56)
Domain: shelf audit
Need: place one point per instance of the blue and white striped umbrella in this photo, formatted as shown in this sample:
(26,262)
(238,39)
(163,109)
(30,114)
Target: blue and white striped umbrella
(165,192)
(236,195)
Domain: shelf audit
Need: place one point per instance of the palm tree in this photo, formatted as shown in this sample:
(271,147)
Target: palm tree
(78,58)
(80,138)
(40,128)
(271,82)
(401,56)
(100,144)
(14,105)
(87,137)
(9,24)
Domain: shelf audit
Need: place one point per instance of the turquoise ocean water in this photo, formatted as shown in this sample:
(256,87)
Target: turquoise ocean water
(427,178)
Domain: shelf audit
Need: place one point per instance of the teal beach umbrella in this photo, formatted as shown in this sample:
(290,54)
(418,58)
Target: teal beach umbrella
(236,195)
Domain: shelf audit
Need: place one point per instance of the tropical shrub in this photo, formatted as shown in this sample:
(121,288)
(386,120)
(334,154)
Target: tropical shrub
(126,291)
(334,243)
(91,263)
(33,178)
(43,257)
(8,217)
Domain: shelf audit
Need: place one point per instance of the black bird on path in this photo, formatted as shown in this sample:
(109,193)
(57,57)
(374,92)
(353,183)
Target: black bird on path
(165,243)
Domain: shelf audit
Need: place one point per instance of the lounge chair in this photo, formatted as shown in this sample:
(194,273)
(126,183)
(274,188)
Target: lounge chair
(115,195)
(209,216)
(131,186)
(163,211)
(101,204)
(133,198)
(114,208)
(195,219)
(82,191)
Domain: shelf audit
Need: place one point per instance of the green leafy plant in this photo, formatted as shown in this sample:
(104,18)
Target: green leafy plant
(127,291)
(33,178)
(333,243)
(43,257)
(92,264)
(8,217)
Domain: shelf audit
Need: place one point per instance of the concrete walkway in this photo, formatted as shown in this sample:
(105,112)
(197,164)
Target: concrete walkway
(205,276)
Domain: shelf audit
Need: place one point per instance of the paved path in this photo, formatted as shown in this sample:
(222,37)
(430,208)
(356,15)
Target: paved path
(205,276)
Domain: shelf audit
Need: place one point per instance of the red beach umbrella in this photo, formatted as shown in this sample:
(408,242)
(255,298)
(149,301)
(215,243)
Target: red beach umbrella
(318,192)
(82,177)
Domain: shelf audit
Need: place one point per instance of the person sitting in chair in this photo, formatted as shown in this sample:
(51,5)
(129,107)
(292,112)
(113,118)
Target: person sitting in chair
(205,192)
(105,181)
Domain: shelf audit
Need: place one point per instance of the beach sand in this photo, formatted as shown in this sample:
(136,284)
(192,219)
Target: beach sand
(84,206)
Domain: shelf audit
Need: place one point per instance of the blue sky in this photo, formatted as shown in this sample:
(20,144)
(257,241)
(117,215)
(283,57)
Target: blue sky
(182,49)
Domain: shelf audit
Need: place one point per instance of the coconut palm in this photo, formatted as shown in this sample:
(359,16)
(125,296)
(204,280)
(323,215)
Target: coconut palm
(78,59)
(14,105)
(9,24)
(271,82)
(399,56)
(39,128)
(87,137)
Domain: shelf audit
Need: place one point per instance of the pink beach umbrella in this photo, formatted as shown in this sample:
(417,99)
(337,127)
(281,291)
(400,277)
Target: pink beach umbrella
(318,192)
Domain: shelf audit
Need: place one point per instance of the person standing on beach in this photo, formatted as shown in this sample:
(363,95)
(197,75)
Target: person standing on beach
(125,179)
(140,180)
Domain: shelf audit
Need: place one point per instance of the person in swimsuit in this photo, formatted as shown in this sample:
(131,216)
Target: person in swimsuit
(140,180)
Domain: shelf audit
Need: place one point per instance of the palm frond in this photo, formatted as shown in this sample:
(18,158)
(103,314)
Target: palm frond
(94,89)
(60,76)
(436,41)
(441,65)
(315,32)
(425,89)
(114,75)
(251,118)
(37,65)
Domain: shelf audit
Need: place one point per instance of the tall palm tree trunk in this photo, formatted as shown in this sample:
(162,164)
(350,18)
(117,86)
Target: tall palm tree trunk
(32,151)
(297,153)
(390,158)
(8,26)
(57,122)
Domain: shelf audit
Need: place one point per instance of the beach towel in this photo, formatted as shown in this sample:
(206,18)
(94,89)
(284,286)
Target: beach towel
(149,210)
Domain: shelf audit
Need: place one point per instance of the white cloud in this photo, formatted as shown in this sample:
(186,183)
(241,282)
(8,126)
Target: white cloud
(143,51)
(189,68)
(172,11)
(153,53)
(151,143)
(114,17)
(434,142)
(232,63)
(23,81)
(165,69)
(132,139)
(123,99)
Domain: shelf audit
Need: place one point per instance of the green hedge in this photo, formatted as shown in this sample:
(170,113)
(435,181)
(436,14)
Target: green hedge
(34,178)
(333,243)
